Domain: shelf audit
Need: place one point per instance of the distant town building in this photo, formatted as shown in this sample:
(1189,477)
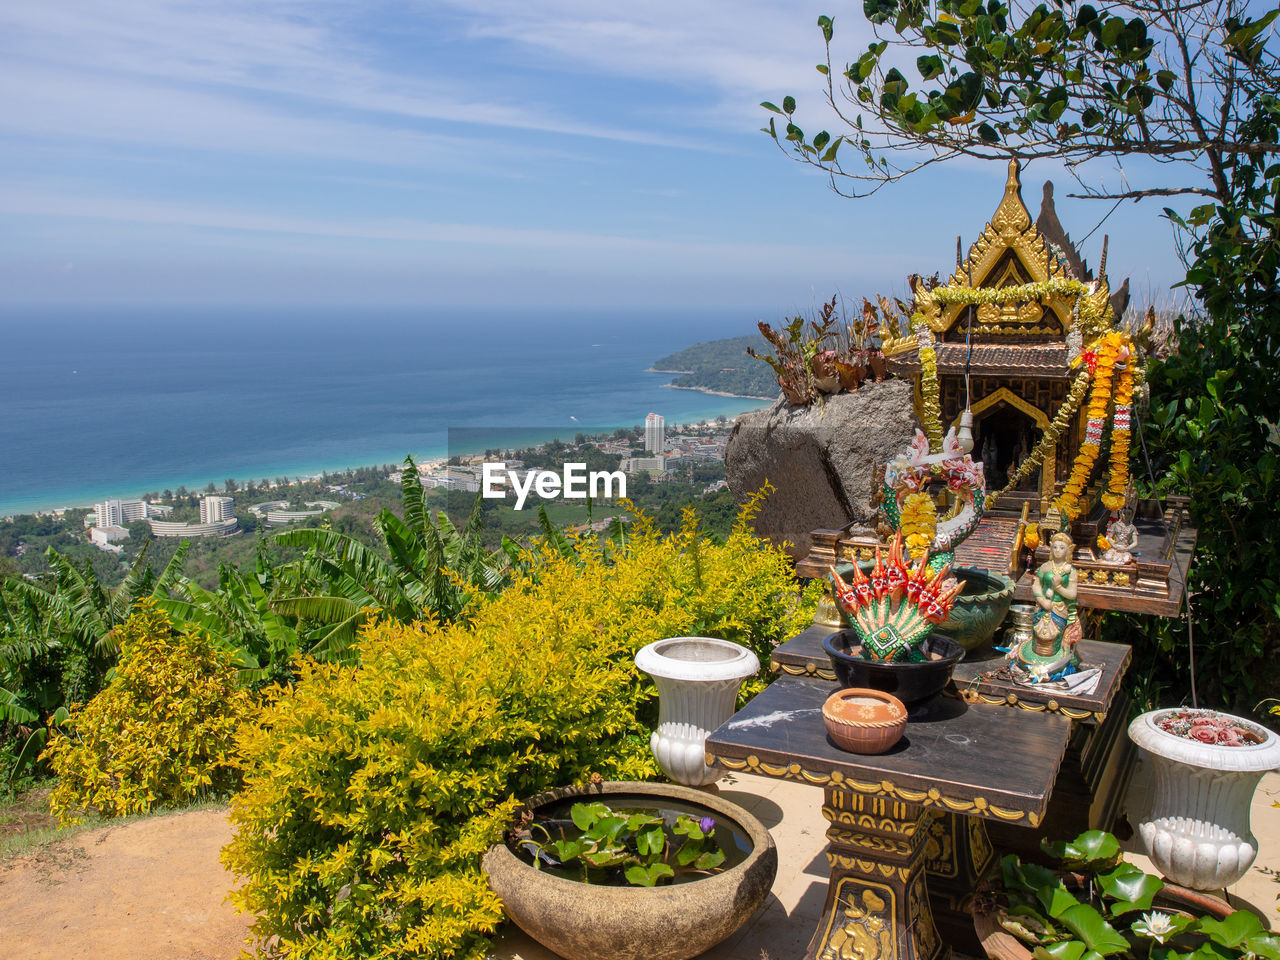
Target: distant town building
(216,509)
(655,433)
(644,465)
(106,538)
(173,528)
(277,513)
(116,513)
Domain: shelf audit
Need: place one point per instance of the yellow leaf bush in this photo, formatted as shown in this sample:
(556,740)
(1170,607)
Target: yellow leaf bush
(161,733)
(371,791)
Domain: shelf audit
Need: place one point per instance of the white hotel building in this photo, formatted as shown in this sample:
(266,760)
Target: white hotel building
(655,433)
(216,509)
(116,513)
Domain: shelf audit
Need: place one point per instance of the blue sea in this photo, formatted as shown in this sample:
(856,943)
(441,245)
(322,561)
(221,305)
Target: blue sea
(114,403)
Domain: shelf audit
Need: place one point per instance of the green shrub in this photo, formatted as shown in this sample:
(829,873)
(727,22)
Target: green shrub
(161,733)
(371,791)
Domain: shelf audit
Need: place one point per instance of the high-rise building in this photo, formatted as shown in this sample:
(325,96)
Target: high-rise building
(655,433)
(116,513)
(110,514)
(216,509)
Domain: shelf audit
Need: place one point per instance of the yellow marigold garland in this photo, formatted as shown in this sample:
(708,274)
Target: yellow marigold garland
(929,391)
(1093,318)
(1118,475)
(1031,536)
(1103,360)
(919,523)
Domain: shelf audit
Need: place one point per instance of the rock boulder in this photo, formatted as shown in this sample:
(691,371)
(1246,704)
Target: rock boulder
(819,458)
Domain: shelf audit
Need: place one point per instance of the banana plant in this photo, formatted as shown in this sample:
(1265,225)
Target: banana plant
(57,641)
(434,569)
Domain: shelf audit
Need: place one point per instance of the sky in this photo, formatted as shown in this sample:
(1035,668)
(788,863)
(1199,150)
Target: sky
(486,152)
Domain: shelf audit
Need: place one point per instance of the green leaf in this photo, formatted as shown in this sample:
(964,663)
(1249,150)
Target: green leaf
(648,876)
(830,155)
(566,850)
(1093,846)
(1165,78)
(651,842)
(1131,887)
(769,106)
(1234,929)
(1066,950)
(1266,945)
(1090,926)
(710,860)
(1056,899)
(788,105)
(827,25)
(585,814)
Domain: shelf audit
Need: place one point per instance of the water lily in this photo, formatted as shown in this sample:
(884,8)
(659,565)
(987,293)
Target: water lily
(706,824)
(1156,926)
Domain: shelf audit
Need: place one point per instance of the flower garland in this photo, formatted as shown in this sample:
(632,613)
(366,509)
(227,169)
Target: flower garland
(974,296)
(1052,434)
(929,390)
(919,523)
(1118,474)
(1094,319)
(1101,361)
(1031,536)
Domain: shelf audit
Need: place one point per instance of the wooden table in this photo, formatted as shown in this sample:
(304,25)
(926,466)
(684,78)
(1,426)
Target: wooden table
(1099,762)
(920,807)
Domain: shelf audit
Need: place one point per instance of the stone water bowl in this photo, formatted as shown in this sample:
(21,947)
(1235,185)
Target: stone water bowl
(977,612)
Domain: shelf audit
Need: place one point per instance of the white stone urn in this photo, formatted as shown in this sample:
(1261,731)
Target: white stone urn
(1197,830)
(697,680)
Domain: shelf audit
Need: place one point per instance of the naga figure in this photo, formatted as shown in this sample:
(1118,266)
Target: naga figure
(1056,630)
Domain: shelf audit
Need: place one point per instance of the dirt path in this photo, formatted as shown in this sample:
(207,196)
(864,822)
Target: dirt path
(147,890)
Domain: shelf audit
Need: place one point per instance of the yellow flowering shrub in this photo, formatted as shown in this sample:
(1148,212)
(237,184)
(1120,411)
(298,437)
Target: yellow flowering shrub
(161,733)
(371,791)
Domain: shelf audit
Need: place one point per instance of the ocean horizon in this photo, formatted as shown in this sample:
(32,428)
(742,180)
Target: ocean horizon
(114,403)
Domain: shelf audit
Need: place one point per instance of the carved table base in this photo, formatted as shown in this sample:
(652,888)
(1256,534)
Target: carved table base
(877,904)
(957,853)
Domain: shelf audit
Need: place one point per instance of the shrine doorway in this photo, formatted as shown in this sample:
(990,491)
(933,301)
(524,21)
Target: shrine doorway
(1006,429)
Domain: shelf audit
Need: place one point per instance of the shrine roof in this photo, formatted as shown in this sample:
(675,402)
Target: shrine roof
(989,359)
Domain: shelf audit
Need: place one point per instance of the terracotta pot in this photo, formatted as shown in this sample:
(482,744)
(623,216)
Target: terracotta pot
(865,721)
(582,921)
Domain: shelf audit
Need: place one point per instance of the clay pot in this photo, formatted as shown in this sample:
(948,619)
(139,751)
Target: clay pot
(865,721)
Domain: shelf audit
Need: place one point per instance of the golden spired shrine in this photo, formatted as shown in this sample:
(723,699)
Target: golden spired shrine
(1022,350)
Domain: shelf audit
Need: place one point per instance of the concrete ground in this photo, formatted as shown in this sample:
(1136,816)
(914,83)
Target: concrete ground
(781,929)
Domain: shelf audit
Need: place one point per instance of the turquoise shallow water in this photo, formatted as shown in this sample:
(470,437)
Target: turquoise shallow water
(107,403)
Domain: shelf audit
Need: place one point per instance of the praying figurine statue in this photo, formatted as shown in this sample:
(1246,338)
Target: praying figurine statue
(1051,649)
(1122,534)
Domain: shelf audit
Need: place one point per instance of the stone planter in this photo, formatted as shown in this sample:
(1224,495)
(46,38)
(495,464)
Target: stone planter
(697,680)
(1197,831)
(581,921)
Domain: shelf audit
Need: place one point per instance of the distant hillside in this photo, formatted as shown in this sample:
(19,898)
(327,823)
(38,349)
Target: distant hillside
(722,366)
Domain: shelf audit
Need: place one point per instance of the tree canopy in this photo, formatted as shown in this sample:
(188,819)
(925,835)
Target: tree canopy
(1174,80)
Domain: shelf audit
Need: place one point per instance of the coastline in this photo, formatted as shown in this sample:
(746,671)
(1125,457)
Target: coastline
(313,472)
(718,393)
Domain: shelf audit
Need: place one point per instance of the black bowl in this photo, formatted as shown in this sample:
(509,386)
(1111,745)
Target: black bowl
(912,683)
